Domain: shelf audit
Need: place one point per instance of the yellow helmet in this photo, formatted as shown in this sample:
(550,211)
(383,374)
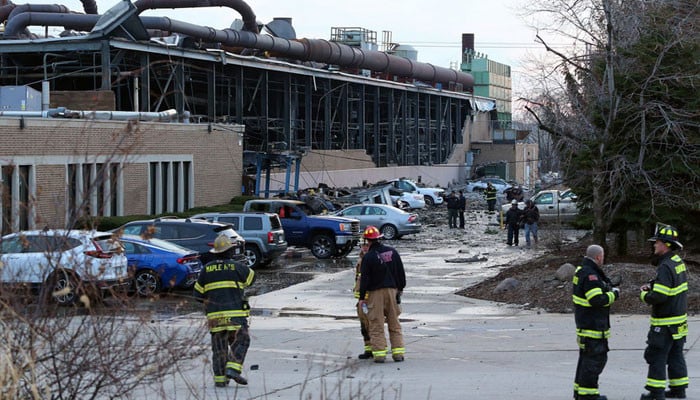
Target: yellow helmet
(221,244)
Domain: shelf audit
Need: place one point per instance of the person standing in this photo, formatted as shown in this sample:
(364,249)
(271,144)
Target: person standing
(364,322)
(452,209)
(490,193)
(220,287)
(462,208)
(512,221)
(593,295)
(531,216)
(667,294)
(381,285)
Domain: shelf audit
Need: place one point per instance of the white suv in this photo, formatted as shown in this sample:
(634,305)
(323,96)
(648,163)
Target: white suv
(66,263)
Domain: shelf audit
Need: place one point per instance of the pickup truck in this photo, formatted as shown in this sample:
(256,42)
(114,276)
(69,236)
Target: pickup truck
(326,236)
(432,196)
(553,205)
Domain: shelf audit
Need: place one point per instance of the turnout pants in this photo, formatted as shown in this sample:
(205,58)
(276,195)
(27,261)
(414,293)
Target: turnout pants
(663,351)
(229,348)
(364,327)
(592,357)
(382,307)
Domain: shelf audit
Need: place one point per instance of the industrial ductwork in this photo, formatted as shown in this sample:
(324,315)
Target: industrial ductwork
(315,50)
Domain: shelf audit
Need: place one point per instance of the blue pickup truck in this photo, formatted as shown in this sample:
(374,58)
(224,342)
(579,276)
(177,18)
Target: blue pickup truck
(326,236)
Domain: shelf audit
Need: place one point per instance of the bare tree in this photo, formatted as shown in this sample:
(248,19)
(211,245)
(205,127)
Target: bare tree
(604,104)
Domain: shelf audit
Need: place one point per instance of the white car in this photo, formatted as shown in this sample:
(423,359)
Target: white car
(407,200)
(479,185)
(67,263)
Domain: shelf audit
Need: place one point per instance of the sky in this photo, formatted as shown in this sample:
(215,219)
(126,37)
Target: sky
(434,28)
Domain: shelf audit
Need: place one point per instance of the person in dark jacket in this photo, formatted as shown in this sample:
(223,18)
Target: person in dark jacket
(593,295)
(381,283)
(531,216)
(462,208)
(667,294)
(512,221)
(452,209)
(221,287)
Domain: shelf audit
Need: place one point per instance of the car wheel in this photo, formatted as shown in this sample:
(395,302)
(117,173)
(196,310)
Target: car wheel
(389,231)
(146,283)
(62,288)
(343,251)
(322,246)
(252,255)
(429,201)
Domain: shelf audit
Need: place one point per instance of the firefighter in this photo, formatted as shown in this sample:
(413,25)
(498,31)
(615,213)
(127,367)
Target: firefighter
(667,294)
(381,283)
(490,193)
(364,323)
(221,287)
(593,295)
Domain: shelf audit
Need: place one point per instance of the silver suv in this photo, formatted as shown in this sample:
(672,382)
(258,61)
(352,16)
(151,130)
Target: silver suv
(263,233)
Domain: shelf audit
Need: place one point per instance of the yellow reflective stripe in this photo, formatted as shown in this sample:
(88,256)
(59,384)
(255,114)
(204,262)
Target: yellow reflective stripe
(611,297)
(593,334)
(249,279)
(236,366)
(676,320)
(593,292)
(678,382)
(222,285)
(220,379)
(581,301)
(584,391)
(680,268)
(198,287)
(655,383)
(379,353)
(226,314)
(225,328)
(398,350)
(665,290)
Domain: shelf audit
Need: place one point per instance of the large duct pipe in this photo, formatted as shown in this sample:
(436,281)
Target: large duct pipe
(249,20)
(9,10)
(317,50)
(5,11)
(89,6)
(61,112)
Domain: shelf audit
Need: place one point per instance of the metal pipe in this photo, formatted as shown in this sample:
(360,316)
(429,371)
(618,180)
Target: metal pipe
(61,112)
(249,20)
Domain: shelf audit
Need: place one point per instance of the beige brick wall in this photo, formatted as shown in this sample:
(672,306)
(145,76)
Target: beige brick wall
(49,144)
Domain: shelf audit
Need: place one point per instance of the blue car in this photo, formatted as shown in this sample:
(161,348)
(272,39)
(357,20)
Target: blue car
(158,264)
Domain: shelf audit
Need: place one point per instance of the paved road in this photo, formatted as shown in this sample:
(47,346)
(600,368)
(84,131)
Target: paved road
(305,341)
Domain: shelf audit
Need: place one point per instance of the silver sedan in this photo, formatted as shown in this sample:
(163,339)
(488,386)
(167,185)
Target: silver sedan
(391,221)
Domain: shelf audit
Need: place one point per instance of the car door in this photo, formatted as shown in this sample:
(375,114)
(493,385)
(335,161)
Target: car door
(372,215)
(294,224)
(25,259)
(545,204)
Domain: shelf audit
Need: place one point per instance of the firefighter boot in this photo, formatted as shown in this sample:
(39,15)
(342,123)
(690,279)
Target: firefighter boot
(675,393)
(653,396)
(236,376)
(366,355)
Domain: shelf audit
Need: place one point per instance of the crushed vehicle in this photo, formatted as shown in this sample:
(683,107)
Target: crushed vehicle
(432,196)
(325,235)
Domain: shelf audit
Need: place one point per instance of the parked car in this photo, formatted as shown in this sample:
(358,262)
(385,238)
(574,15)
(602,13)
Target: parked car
(553,205)
(263,234)
(432,196)
(192,233)
(391,221)
(65,263)
(158,264)
(479,185)
(325,235)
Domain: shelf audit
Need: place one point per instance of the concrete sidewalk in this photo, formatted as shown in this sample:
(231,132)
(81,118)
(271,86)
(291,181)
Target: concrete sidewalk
(306,341)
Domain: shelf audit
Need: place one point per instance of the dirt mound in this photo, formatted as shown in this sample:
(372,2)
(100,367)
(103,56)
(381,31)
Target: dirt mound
(539,288)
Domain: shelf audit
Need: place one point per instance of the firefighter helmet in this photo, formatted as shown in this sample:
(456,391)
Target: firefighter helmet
(222,243)
(372,233)
(666,234)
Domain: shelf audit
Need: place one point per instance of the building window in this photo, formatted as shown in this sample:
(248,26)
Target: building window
(170,184)
(17,190)
(93,189)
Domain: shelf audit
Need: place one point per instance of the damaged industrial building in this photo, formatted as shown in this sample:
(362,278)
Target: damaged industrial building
(126,114)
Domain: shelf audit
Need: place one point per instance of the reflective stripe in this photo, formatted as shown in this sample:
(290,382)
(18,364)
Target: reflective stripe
(677,320)
(223,285)
(678,382)
(584,391)
(581,301)
(379,353)
(235,366)
(227,314)
(198,287)
(224,328)
(593,293)
(593,334)
(665,290)
(398,350)
(220,379)
(655,383)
